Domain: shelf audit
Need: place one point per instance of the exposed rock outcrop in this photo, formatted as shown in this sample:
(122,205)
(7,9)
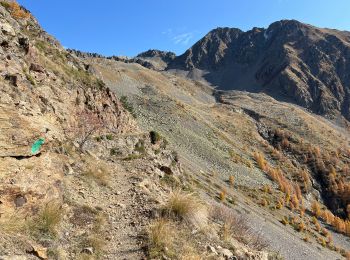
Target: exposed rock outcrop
(289,60)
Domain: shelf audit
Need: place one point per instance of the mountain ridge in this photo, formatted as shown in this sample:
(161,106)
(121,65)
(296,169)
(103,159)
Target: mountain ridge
(288,60)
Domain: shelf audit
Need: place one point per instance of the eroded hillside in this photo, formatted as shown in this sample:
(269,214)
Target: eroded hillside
(80,178)
(249,152)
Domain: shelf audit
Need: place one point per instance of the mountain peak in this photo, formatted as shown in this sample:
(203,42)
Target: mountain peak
(153,53)
(290,59)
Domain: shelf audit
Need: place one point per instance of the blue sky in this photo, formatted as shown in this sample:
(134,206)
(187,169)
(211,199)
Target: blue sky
(128,27)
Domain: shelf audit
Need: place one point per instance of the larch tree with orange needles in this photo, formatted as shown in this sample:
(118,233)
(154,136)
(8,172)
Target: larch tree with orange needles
(316,209)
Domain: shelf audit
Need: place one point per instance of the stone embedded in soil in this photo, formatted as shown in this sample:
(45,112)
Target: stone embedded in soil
(20,201)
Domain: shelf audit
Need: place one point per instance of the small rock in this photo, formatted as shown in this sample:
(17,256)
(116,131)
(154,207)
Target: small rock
(165,257)
(81,194)
(68,169)
(71,161)
(212,249)
(20,201)
(7,29)
(227,254)
(166,169)
(40,252)
(88,250)
(123,206)
(36,68)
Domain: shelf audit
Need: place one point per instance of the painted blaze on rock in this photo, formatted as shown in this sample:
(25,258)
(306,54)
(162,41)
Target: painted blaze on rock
(37,145)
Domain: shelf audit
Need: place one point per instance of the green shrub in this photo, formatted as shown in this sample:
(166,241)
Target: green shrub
(30,79)
(109,137)
(113,151)
(154,136)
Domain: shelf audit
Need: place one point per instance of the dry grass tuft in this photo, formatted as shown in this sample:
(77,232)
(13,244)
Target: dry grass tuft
(236,227)
(13,224)
(187,207)
(188,254)
(96,242)
(160,238)
(47,220)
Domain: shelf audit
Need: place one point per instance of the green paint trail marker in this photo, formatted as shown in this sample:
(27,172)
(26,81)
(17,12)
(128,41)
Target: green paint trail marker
(37,144)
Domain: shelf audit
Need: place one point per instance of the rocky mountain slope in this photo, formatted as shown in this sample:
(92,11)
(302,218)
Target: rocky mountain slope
(63,201)
(80,178)
(289,60)
(217,136)
(139,162)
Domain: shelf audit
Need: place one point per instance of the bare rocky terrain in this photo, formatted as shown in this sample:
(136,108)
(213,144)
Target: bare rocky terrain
(216,140)
(142,158)
(288,60)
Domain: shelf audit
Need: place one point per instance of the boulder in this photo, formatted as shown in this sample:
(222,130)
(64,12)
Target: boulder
(37,68)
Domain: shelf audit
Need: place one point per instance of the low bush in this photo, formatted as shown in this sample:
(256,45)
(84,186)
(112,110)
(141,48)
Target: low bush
(109,137)
(154,136)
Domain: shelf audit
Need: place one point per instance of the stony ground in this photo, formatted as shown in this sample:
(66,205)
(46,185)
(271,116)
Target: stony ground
(95,200)
(217,140)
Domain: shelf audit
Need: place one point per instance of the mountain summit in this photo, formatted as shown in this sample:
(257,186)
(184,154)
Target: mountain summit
(289,60)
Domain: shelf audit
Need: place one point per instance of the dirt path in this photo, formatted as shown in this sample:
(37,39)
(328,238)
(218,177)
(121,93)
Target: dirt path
(127,210)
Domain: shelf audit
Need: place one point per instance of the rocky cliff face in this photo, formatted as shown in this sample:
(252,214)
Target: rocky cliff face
(43,87)
(289,60)
(165,56)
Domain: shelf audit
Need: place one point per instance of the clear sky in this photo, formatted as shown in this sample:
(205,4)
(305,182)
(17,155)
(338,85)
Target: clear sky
(128,27)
